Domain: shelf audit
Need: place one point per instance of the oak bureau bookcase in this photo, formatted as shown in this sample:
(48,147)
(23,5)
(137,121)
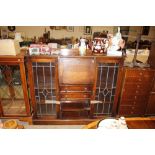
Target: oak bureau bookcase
(73,86)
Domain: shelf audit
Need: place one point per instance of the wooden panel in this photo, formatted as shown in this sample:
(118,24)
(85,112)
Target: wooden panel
(151,105)
(133,97)
(133,103)
(153,88)
(132,110)
(141,124)
(74,95)
(139,72)
(74,88)
(76,71)
(137,86)
(130,91)
(139,79)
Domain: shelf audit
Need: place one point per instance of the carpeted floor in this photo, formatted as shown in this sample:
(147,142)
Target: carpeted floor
(53,126)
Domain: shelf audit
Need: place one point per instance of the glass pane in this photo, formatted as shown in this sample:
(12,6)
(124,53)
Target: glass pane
(11,92)
(45,89)
(105,87)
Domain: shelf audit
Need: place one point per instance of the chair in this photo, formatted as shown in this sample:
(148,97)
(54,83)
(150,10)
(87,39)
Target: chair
(92,125)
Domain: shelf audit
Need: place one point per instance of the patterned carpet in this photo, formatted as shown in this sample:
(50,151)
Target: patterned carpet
(53,126)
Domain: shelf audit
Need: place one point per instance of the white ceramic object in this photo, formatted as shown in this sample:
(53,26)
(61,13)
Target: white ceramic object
(113,124)
(82,47)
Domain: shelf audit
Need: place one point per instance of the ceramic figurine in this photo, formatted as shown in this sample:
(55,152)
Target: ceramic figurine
(82,46)
(99,45)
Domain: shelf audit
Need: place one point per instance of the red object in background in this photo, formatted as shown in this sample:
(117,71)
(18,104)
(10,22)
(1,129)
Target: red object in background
(99,45)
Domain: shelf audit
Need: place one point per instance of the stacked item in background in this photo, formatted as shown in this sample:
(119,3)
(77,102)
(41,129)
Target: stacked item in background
(9,47)
(142,55)
(37,49)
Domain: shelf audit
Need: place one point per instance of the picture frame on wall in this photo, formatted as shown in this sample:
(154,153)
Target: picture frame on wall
(63,27)
(145,30)
(11,35)
(87,30)
(57,27)
(4,34)
(70,28)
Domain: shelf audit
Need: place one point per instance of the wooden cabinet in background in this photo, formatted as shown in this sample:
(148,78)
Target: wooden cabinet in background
(151,102)
(14,98)
(136,88)
(151,58)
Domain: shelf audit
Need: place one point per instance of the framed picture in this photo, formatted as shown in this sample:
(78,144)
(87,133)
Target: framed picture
(57,27)
(145,30)
(88,30)
(63,27)
(52,27)
(4,34)
(11,35)
(70,28)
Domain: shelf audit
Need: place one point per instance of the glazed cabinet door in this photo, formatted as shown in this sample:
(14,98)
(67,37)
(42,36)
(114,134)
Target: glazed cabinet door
(43,82)
(106,87)
(14,100)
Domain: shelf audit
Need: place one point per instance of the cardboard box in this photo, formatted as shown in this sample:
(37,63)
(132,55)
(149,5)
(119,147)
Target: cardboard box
(9,47)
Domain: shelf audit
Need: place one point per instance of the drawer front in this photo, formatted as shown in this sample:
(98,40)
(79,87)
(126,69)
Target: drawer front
(133,103)
(127,92)
(139,72)
(138,76)
(68,96)
(86,88)
(139,86)
(132,97)
(131,110)
(138,80)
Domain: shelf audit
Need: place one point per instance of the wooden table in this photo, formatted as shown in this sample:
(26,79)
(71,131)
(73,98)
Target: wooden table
(141,123)
(132,123)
